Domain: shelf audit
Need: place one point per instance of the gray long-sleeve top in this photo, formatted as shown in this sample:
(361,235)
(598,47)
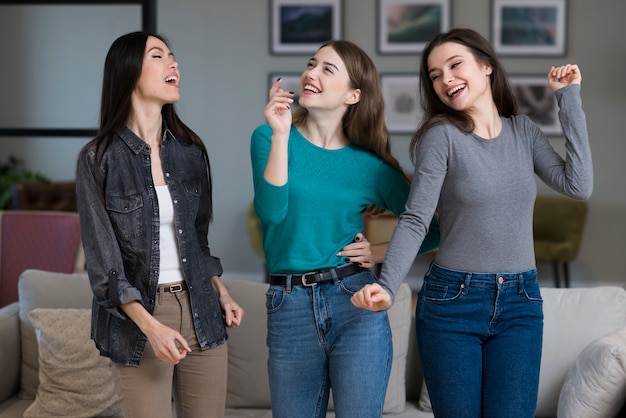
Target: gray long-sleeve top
(484,191)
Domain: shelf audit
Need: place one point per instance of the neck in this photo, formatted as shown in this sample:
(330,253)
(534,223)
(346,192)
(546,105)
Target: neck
(147,126)
(325,132)
(487,124)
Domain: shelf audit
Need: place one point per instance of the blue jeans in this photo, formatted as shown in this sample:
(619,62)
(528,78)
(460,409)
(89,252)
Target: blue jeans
(317,341)
(479,338)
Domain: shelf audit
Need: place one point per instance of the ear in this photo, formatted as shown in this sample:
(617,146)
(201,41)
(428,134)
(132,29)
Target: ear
(488,70)
(353,97)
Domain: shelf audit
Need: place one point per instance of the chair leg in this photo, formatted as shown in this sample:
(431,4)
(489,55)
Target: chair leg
(557,278)
(566,274)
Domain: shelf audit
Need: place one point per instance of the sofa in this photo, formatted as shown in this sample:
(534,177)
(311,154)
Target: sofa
(50,367)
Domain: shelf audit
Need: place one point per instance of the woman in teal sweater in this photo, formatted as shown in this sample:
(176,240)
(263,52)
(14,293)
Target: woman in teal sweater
(314,175)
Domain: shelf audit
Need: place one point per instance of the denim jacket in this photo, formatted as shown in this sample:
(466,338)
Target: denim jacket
(119,218)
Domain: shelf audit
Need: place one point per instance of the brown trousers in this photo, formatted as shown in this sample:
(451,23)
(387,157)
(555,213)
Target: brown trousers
(197,383)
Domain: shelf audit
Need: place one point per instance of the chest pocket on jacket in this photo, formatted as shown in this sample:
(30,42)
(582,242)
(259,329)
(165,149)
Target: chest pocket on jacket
(193,193)
(126,216)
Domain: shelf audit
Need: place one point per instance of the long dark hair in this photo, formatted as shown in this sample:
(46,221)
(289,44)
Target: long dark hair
(435,111)
(364,122)
(122,69)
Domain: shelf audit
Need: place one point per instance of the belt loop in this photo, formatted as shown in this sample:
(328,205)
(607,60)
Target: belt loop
(288,283)
(467,282)
(520,284)
(333,273)
(160,293)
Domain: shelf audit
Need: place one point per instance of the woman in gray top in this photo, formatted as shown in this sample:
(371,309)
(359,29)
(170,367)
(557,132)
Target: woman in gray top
(479,312)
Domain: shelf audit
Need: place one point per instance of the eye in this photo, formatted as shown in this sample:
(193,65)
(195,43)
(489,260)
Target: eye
(329,69)
(157,56)
(456,64)
(434,77)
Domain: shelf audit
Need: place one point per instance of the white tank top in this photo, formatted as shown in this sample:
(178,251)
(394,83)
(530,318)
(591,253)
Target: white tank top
(169,269)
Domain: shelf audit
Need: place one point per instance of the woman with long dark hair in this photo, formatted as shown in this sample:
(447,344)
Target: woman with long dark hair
(144,197)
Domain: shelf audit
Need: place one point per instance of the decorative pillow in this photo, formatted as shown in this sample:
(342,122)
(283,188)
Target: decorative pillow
(43,289)
(596,386)
(75,381)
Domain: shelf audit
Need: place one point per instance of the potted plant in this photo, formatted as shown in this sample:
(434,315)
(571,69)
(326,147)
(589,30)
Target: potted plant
(13,171)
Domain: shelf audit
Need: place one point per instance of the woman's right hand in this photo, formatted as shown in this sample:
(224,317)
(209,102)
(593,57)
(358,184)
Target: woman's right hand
(168,345)
(372,297)
(278,109)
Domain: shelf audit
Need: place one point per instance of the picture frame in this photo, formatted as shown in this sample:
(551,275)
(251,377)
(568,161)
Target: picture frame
(402,105)
(537,101)
(291,82)
(302,26)
(529,27)
(406,26)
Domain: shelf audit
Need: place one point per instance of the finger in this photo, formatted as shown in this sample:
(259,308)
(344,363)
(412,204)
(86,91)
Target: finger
(359,237)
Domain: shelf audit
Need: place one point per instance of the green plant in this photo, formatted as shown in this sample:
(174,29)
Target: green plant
(11,172)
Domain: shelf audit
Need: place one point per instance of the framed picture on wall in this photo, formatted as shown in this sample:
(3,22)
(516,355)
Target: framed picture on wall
(537,101)
(529,27)
(402,107)
(406,26)
(301,26)
(290,82)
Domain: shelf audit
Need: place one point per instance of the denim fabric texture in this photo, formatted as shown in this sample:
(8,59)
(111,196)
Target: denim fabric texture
(119,216)
(319,341)
(479,338)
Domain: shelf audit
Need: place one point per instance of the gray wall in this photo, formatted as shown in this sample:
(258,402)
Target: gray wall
(222,47)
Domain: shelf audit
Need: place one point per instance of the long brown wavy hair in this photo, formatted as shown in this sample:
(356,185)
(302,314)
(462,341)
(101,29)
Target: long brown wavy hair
(435,111)
(364,122)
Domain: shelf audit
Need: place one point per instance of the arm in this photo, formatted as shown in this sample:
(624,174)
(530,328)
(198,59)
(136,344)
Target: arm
(572,176)
(105,267)
(233,313)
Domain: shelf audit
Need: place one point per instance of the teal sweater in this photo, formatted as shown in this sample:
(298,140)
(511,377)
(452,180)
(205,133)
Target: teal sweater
(305,222)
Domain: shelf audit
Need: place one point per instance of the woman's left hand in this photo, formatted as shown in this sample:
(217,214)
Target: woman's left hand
(565,75)
(359,251)
(233,313)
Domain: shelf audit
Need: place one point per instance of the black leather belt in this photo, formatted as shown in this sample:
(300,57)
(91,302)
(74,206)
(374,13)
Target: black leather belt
(173,288)
(315,277)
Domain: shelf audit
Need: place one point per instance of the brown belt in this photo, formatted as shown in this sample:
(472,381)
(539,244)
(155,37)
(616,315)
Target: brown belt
(173,288)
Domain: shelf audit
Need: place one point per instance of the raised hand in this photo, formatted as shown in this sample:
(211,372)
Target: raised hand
(565,75)
(278,109)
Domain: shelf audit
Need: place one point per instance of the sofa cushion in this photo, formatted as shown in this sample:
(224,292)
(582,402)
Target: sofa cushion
(247,352)
(596,386)
(42,289)
(572,319)
(248,385)
(74,379)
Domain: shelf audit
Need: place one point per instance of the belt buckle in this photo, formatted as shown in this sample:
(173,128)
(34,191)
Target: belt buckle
(175,288)
(304,281)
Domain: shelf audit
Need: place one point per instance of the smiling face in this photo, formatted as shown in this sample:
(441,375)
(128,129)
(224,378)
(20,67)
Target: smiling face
(158,82)
(325,84)
(459,80)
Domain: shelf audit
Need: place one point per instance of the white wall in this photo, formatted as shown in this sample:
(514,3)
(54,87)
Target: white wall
(223,50)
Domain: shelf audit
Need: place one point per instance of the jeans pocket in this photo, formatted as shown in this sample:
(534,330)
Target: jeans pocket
(352,284)
(437,291)
(531,290)
(275,299)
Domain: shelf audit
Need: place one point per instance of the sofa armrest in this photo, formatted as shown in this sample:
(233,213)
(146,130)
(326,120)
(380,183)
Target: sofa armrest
(10,351)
